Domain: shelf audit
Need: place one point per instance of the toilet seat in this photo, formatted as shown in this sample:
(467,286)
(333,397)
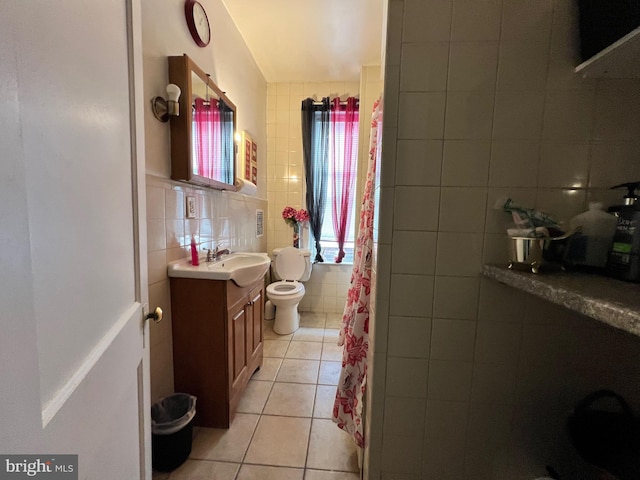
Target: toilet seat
(290,264)
(284,288)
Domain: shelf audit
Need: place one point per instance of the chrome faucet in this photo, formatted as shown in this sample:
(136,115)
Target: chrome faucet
(216,253)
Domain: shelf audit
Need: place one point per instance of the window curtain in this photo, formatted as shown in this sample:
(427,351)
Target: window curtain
(344,157)
(206,137)
(315,144)
(354,334)
(227,145)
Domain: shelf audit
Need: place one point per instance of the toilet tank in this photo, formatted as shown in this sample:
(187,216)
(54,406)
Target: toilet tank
(307,267)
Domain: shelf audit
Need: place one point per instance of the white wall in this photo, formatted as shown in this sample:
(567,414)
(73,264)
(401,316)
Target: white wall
(226,219)
(472,379)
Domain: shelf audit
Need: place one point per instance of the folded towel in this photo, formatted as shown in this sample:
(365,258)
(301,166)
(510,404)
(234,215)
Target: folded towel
(246,187)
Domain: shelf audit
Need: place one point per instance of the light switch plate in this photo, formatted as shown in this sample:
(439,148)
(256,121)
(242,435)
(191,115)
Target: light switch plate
(191,207)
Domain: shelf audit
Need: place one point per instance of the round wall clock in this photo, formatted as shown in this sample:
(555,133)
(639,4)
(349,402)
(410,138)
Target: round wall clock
(198,22)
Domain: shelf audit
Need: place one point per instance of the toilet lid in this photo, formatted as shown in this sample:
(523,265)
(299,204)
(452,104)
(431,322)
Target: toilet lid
(290,264)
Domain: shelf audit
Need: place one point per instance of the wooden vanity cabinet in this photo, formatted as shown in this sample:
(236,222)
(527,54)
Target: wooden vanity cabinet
(217,343)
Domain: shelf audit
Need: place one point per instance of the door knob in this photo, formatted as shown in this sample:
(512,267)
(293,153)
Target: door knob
(156,315)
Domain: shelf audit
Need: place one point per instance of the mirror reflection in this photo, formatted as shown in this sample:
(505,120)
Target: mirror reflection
(202,138)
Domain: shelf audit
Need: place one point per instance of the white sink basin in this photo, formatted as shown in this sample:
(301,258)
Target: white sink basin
(243,268)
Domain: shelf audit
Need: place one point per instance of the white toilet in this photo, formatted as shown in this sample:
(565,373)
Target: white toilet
(291,266)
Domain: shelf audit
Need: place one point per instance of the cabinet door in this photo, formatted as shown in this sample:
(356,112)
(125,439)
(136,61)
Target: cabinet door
(255,313)
(237,346)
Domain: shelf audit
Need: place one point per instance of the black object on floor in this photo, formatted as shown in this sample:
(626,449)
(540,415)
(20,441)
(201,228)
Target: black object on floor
(608,438)
(172,431)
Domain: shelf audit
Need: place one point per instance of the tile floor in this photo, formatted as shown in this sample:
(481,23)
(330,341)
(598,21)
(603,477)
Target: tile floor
(283,428)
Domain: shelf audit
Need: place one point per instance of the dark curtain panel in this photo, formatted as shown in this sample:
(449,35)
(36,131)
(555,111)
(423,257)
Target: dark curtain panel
(228,147)
(315,148)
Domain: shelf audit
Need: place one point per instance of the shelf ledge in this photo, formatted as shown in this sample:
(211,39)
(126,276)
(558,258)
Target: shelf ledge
(618,60)
(607,300)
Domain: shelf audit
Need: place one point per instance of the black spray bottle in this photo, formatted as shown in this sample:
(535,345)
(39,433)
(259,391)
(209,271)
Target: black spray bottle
(624,257)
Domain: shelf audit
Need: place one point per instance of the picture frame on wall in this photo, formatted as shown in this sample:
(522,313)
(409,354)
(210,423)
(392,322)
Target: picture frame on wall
(249,157)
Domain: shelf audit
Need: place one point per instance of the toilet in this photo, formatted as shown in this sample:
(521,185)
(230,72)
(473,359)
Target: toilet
(291,266)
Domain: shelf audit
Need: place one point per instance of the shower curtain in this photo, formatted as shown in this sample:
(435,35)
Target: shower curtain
(354,335)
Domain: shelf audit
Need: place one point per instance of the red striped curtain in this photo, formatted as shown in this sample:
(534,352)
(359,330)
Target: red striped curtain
(207,139)
(343,158)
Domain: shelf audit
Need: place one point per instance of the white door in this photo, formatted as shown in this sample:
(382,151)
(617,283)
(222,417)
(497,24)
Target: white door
(73,274)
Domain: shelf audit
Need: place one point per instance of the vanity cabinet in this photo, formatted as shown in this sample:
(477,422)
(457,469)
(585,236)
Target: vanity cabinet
(217,343)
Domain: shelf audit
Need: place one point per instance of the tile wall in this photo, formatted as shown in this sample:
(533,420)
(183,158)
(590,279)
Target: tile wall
(225,219)
(327,289)
(472,379)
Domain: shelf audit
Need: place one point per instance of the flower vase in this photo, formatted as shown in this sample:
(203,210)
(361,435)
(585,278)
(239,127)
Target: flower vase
(296,235)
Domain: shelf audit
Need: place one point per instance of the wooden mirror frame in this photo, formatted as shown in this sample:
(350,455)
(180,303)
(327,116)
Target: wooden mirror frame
(180,69)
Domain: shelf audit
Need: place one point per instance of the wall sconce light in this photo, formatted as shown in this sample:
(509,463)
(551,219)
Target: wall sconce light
(163,108)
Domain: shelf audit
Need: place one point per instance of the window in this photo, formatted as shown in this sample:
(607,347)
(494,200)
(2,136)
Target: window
(330,147)
(337,149)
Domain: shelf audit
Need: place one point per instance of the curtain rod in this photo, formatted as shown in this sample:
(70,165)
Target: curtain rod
(341,103)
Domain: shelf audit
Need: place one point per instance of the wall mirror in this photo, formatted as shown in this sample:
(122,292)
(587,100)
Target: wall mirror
(202,136)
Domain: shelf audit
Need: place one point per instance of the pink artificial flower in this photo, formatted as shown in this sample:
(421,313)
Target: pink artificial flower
(302,215)
(289,213)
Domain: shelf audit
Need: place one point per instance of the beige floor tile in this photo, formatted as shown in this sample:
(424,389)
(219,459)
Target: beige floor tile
(291,400)
(332,352)
(279,441)
(260,472)
(331,335)
(254,397)
(334,320)
(329,373)
(275,348)
(205,470)
(223,444)
(269,334)
(309,334)
(304,350)
(331,448)
(298,371)
(269,369)
(324,475)
(325,397)
(313,320)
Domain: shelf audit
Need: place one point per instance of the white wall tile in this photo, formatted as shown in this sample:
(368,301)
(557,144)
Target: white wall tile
(424,67)
(427,21)
(562,204)
(407,377)
(623,155)
(409,337)
(498,343)
(414,252)
(568,116)
(518,116)
(411,295)
(416,208)
(456,297)
(465,163)
(404,416)
(418,162)
(469,116)
(421,115)
(450,380)
(459,254)
(462,209)
(564,165)
(514,164)
(528,20)
(519,75)
(476,20)
(453,340)
(473,67)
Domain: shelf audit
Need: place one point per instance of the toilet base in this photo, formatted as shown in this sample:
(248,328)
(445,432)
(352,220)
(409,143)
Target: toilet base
(287,319)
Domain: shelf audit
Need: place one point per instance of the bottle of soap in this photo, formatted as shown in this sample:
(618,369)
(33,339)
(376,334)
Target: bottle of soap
(590,247)
(624,257)
(195,261)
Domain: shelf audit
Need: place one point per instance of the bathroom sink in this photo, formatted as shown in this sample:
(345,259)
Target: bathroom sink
(243,268)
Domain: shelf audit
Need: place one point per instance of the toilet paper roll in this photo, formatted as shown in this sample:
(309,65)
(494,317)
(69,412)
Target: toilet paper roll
(246,187)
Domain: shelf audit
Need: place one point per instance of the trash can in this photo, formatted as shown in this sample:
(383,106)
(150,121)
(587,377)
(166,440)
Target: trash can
(172,431)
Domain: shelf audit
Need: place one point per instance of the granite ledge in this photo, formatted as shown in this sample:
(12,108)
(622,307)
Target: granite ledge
(608,300)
